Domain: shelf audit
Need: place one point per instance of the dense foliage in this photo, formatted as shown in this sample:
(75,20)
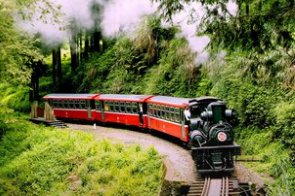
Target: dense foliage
(43,161)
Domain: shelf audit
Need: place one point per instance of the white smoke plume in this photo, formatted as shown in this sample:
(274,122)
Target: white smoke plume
(189,28)
(56,33)
(125,15)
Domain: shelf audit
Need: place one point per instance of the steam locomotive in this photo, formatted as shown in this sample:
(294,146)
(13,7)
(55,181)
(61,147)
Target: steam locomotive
(202,123)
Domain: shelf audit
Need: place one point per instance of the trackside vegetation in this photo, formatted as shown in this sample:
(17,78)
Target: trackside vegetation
(45,161)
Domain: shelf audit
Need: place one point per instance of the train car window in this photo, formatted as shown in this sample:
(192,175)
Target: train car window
(77,105)
(82,104)
(71,104)
(54,103)
(177,115)
(97,105)
(122,106)
(67,102)
(150,109)
(87,104)
(196,111)
(59,103)
(173,114)
(157,114)
(112,106)
(106,106)
(170,114)
(166,113)
(159,111)
(128,107)
(134,107)
(117,106)
(155,110)
(163,112)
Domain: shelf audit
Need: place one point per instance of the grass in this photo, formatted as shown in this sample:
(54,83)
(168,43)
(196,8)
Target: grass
(45,161)
(276,167)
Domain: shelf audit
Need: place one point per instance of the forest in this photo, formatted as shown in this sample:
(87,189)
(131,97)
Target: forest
(240,51)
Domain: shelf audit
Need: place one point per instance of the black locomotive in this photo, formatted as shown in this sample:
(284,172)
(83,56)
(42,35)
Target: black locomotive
(211,135)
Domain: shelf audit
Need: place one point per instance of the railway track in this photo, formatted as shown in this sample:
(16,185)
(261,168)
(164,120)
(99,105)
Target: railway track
(209,186)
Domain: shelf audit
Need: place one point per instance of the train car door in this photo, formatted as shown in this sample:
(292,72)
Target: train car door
(150,110)
(182,118)
(88,106)
(102,110)
(140,111)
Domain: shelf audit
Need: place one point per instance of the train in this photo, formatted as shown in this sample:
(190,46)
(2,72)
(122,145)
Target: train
(202,123)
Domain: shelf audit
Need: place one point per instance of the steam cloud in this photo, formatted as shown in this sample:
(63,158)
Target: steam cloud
(124,15)
(116,16)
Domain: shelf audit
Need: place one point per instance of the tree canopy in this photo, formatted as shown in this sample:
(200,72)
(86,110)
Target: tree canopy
(258,24)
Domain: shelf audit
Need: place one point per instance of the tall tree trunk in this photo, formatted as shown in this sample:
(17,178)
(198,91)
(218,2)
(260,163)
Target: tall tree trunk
(34,90)
(96,39)
(58,60)
(247,9)
(86,51)
(54,66)
(37,76)
(80,47)
(92,43)
(73,49)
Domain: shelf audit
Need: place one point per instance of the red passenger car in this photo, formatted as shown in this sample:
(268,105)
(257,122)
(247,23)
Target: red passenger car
(166,114)
(124,109)
(72,106)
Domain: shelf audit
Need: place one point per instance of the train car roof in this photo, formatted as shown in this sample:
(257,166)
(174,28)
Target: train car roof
(203,100)
(171,101)
(70,96)
(122,97)
(207,98)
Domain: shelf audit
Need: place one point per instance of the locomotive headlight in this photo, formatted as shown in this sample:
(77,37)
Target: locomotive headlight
(221,136)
